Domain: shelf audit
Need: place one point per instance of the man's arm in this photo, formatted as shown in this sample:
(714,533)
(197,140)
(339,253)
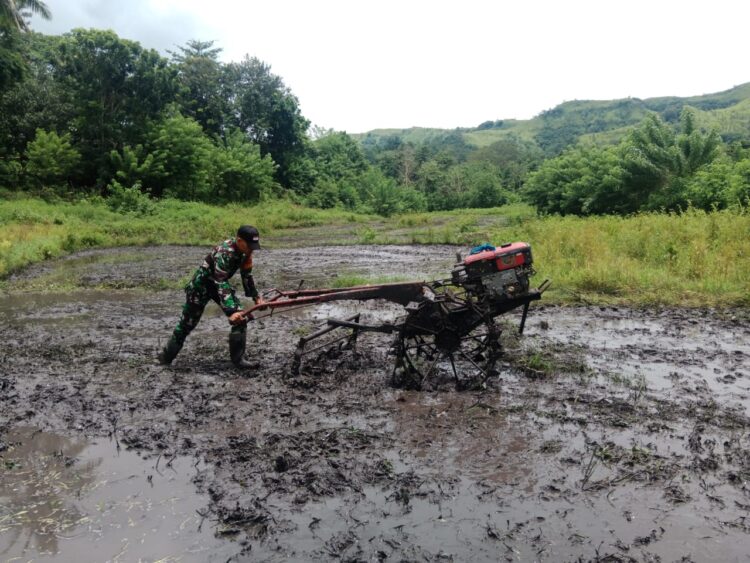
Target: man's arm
(248,282)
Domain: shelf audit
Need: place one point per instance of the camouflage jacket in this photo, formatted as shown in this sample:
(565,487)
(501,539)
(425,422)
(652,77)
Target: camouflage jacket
(221,264)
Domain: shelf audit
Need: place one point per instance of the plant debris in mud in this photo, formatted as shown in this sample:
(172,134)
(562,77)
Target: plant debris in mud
(556,458)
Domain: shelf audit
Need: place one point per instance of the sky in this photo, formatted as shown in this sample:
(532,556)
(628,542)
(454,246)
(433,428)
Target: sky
(358,65)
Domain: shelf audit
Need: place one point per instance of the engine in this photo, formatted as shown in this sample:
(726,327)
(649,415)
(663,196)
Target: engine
(499,273)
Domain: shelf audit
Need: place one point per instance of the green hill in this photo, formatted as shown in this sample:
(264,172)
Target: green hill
(594,122)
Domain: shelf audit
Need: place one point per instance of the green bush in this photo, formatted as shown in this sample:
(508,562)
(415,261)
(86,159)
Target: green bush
(325,195)
(241,173)
(10,173)
(51,160)
(720,185)
(182,160)
(132,165)
(384,193)
(129,200)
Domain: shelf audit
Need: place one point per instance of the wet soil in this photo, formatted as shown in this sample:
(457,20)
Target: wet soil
(608,434)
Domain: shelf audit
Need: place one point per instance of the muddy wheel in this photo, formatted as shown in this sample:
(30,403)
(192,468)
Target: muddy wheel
(431,360)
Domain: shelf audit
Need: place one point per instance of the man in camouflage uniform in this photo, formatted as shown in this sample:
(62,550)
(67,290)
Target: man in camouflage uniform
(211,281)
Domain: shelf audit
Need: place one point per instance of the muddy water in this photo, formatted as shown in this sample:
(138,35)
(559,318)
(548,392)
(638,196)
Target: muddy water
(632,445)
(72,499)
(665,348)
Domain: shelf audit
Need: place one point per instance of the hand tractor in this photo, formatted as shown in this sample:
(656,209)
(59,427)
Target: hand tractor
(449,326)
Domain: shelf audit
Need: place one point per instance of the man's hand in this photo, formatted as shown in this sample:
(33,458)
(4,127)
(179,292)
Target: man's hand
(237,318)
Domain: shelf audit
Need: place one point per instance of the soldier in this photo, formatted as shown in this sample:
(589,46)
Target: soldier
(211,281)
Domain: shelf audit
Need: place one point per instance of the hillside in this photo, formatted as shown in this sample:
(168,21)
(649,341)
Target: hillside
(594,121)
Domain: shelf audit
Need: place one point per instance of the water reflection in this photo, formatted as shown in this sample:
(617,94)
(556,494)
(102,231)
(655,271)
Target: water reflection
(38,483)
(66,498)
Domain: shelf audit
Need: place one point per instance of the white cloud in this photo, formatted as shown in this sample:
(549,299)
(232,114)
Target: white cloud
(358,65)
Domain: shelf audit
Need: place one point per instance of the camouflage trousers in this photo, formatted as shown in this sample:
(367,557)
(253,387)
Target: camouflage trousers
(199,291)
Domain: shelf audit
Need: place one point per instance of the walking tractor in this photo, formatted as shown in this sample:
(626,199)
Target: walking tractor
(449,326)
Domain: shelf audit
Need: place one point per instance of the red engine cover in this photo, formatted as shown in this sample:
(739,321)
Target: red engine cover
(508,256)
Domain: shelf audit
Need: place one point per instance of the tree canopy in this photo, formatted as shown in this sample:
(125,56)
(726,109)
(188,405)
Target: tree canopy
(90,112)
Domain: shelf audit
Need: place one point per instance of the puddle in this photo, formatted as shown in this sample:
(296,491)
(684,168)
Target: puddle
(668,349)
(74,500)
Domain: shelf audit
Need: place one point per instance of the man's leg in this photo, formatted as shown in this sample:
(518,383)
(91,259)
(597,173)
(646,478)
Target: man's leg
(195,301)
(238,334)
(237,343)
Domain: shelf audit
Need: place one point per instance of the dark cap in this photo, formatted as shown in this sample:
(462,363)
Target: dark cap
(250,235)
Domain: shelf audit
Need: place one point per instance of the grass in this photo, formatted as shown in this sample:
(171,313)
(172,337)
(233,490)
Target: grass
(693,259)
(352,280)
(699,259)
(32,230)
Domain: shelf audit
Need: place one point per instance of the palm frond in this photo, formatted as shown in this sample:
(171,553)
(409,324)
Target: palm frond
(14,12)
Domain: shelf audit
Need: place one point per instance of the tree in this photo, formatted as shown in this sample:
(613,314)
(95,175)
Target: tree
(182,160)
(51,160)
(12,65)
(657,162)
(580,181)
(116,90)
(195,48)
(723,183)
(263,108)
(325,195)
(36,102)
(339,157)
(201,85)
(432,175)
(485,186)
(451,192)
(241,173)
(13,14)
(132,166)
(340,172)
(383,192)
(407,164)
(513,158)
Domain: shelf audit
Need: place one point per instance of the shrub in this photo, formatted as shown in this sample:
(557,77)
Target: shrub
(325,195)
(129,200)
(51,160)
(242,174)
(182,157)
(10,173)
(132,165)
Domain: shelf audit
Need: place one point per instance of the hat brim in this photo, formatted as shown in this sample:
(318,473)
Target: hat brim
(254,245)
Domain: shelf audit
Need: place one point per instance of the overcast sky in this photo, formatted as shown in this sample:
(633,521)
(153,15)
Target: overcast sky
(357,65)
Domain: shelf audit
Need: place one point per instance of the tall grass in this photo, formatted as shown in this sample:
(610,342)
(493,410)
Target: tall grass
(695,258)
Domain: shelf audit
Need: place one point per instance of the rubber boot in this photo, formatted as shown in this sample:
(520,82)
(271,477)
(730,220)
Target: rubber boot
(170,351)
(237,349)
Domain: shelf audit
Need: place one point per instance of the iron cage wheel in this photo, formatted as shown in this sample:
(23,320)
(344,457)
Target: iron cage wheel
(434,359)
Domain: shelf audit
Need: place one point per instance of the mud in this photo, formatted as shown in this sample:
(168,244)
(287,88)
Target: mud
(609,434)
(66,498)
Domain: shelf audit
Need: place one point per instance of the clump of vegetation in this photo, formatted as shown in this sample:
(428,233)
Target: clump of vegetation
(542,362)
(129,200)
